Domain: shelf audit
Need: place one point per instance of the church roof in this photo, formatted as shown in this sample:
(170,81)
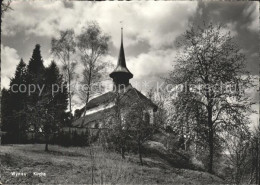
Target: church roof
(102,99)
(129,96)
(121,63)
(83,121)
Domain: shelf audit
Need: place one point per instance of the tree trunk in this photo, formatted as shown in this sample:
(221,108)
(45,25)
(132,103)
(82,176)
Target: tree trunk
(0,77)
(257,163)
(211,151)
(123,152)
(211,141)
(140,152)
(69,88)
(46,147)
(86,101)
(46,144)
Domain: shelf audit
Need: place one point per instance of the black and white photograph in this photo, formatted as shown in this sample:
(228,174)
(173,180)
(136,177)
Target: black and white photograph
(129,92)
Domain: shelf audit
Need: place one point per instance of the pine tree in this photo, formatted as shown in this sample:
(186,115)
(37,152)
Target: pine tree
(35,79)
(18,98)
(56,101)
(35,75)
(59,98)
(13,103)
(36,66)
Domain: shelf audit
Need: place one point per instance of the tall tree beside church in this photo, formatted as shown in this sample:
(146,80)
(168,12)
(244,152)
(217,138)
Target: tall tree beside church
(35,80)
(55,84)
(56,101)
(209,61)
(64,48)
(93,45)
(35,66)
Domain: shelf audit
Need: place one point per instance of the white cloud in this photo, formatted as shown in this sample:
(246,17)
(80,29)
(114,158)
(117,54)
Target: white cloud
(157,22)
(152,63)
(253,12)
(9,60)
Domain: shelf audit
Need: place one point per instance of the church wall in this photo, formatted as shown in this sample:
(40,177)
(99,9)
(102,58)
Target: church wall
(149,110)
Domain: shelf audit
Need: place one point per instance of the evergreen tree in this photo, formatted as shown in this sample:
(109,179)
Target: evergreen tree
(35,80)
(35,66)
(18,98)
(59,94)
(41,111)
(57,100)
(13,103)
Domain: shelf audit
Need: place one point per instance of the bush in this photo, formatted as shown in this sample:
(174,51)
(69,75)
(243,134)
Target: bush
(71,139)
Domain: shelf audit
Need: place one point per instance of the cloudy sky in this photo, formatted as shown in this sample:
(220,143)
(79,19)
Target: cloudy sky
(150,30)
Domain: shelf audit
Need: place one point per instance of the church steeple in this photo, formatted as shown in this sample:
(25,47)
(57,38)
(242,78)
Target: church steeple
(121,74)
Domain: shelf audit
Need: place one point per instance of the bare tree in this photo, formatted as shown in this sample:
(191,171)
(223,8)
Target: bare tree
(139,128)
(93,45)
(211,64)
(135,125)
(130,127)
(64,48)
(117,135)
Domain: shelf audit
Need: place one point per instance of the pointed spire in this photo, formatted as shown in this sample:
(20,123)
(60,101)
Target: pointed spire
(121,57)
(121,70)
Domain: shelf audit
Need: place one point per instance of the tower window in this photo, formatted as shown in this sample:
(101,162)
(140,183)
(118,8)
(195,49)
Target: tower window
(147,117)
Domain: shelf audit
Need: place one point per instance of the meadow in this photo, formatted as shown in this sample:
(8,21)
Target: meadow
(30,164)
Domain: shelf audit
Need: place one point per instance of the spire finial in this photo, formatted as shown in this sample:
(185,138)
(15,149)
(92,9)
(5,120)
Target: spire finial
(121,22)
(122,34)
(121,72)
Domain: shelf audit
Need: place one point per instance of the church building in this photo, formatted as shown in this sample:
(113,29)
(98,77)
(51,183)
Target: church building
(100,111)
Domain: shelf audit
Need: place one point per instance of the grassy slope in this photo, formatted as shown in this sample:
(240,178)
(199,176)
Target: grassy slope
(73,165)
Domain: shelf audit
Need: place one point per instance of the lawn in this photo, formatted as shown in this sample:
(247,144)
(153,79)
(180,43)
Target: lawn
(31,164)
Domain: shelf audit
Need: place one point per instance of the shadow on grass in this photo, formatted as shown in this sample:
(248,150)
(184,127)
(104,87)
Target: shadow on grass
(57,153)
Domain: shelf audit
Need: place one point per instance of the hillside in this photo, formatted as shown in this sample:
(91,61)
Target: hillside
(73,166)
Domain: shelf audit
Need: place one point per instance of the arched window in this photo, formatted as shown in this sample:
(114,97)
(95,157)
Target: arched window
(147,117)
(96,125)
